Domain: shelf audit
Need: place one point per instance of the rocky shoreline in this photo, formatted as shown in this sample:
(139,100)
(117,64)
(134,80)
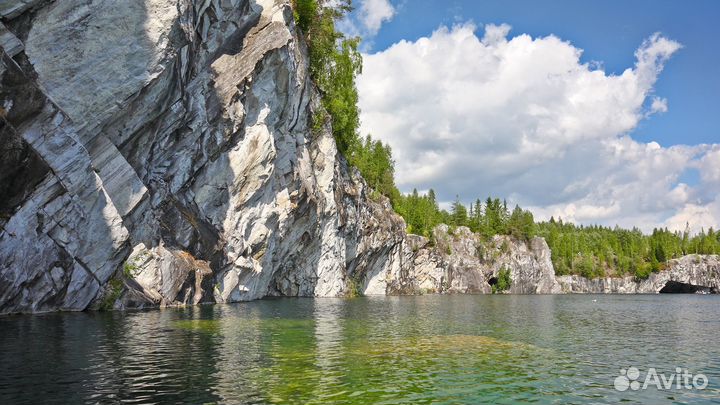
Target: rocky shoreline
(461,262)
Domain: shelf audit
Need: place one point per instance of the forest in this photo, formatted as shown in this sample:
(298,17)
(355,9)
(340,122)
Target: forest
(590,251)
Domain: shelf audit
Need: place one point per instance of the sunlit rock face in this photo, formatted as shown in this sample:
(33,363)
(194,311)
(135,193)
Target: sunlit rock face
(459,261)
(166,144)
(688,274)
(160,152)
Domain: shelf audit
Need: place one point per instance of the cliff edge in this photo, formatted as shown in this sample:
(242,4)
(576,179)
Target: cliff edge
(161,153)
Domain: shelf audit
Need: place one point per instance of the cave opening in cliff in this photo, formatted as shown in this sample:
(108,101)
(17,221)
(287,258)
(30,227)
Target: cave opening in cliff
(493,281)
(676,287)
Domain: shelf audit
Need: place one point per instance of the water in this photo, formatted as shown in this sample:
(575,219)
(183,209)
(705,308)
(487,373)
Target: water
(394,350)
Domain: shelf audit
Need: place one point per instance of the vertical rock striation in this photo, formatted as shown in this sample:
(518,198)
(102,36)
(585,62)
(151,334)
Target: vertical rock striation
(459,261)
(161,152)
(166,143)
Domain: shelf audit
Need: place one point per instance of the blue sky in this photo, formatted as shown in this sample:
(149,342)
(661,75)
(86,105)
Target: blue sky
(482,98)
(608,31)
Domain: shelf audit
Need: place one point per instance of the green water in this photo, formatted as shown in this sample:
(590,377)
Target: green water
(394,350)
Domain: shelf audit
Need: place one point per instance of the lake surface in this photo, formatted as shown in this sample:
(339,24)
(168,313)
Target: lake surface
(391,350)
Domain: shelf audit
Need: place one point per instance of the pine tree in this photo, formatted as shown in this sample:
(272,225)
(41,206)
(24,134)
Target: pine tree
(459,213)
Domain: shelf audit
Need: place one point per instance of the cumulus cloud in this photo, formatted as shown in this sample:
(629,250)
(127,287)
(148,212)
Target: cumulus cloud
(525,118)
(659,105)
(373,13)
(367,19)
(495,34)
(710,168)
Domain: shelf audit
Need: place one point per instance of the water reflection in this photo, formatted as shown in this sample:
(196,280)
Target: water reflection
(431,349)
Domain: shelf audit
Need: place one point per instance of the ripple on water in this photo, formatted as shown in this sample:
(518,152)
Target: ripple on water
(433,349)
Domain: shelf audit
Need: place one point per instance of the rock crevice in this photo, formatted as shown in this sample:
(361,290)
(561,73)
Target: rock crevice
(166,144)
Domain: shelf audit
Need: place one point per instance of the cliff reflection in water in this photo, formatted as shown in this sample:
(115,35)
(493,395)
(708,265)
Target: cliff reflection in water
(439,349)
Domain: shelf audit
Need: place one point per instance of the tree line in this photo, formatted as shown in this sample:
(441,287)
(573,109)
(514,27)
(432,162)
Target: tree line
(591,251)
(597,251)
(422,214)
(335,62)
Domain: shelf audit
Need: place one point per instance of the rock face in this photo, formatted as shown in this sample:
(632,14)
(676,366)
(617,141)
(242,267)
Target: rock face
(688,274)
(160,152)
(462,262)
(166,144)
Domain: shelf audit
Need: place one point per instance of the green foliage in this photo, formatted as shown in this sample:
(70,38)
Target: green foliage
(318,121)
(421,212)
(335,62)
(340,96)
(521,224)
(304,12)
(480,251)
(491,218)
(642,271)
(130,270)
(593,251)
(354,288)
(431,240)
(458,213)
(503,281)
(375,196)
(115,288)
(586,266)
(374,160)
(494,219)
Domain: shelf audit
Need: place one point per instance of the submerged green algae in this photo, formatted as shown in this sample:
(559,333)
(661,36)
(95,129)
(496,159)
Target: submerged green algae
(432,349)
(355,362)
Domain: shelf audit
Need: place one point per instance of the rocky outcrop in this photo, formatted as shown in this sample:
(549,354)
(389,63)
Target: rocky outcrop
(688,274)
(167,144)
(474,264)
(459,261)
(419,269)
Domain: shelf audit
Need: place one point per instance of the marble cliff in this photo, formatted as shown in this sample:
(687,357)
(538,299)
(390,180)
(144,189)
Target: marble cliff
(160,152)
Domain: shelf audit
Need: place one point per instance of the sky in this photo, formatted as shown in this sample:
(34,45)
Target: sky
(596,112)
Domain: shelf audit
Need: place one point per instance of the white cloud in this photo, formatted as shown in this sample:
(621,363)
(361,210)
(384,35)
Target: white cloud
(659,105)
(696,216)
(495,34)
(524,118)
(365,21)
(709,167)
(373,13)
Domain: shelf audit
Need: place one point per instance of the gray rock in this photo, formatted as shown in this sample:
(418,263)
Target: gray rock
(172,139)
(161,153)
(9,42)
(13,8)
(702,272)
(463,262)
